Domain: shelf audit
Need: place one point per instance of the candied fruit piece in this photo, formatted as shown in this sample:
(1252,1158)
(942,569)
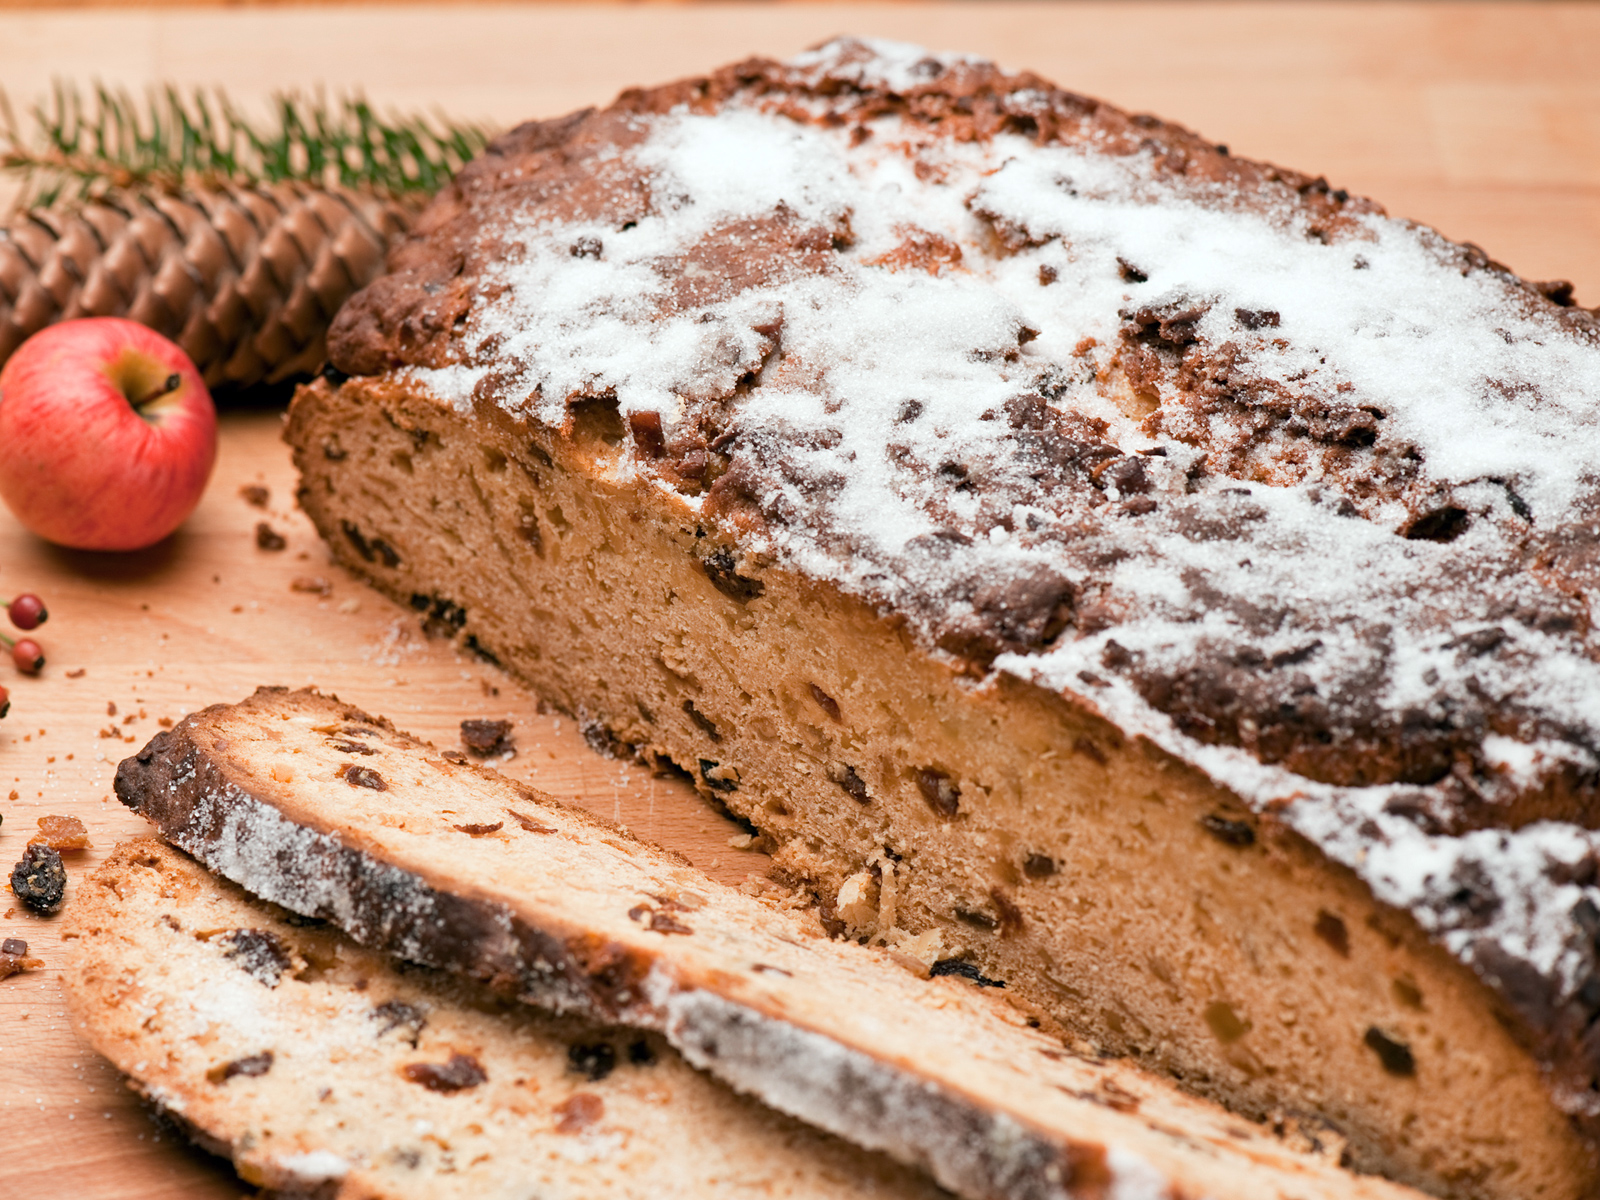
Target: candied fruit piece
(462,1072)
(61,833)
(596,1060)
(397,1014)
(250,1066)
(364,777)
(14,958)
(578,1112)
(259,953)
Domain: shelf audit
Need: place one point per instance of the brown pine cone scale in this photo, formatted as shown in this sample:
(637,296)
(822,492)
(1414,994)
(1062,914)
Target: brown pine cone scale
(245,279)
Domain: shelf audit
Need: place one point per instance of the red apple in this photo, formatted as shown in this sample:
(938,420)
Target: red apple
(107,434)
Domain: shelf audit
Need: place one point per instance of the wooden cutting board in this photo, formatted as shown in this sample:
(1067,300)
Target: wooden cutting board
(1481,119)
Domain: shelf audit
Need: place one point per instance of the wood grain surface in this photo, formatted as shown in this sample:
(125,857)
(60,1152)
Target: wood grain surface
(1481,119)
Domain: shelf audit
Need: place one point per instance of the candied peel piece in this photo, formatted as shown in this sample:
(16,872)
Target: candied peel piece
(14,958)
(483,738)
(61,833)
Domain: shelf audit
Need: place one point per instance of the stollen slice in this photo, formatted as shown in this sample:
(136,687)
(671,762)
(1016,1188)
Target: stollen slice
(333,814)
(324,1069)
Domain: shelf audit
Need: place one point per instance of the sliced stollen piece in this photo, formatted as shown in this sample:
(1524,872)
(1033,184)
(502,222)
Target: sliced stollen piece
(322,1068)
(315,805)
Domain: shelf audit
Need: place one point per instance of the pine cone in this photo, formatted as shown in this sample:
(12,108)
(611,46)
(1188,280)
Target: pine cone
(245,279)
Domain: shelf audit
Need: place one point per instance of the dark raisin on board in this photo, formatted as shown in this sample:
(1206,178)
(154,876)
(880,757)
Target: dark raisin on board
(268,538)
(39,880)
(484,738)
(256,495)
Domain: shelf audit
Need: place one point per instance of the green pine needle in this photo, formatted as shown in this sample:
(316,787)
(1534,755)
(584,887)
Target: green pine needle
(172,141)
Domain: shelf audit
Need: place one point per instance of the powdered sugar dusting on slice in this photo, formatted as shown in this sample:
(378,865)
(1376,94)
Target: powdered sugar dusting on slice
(313,1166)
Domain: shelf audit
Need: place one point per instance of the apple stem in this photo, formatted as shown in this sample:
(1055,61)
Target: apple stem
(169,385)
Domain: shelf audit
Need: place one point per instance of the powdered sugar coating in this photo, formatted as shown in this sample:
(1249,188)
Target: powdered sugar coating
(1302,493)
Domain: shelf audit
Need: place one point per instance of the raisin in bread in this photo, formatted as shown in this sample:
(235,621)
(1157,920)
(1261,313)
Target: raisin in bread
(333,814)
(322,1068)
(1177,568)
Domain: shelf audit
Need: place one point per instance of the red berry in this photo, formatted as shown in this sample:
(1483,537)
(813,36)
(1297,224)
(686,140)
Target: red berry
(29,656)
(5,702)
(27,611)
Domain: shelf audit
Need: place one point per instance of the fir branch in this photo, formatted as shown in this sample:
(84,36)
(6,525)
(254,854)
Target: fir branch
(172,141)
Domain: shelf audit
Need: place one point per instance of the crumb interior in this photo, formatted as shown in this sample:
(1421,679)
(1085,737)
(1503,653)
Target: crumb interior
(992,828)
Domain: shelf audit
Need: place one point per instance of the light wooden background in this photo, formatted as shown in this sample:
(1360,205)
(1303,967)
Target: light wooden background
(1481,119)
